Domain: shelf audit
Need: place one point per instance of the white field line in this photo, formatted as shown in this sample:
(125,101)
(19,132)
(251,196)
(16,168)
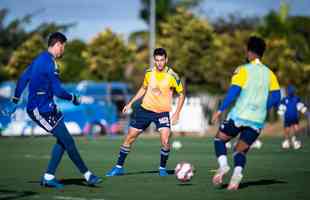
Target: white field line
(74,198)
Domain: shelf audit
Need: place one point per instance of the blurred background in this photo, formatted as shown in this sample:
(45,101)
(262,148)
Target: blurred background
(109,47)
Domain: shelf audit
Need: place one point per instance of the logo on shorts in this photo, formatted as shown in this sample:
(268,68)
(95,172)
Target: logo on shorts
(222,126)
(163,120)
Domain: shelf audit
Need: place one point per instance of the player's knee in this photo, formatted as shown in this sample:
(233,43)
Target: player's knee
(241,149)
(220,136)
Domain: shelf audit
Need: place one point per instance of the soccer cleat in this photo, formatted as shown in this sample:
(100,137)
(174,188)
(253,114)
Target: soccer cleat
(115,171)
(296,144)
(286,144)
(234,182)
(94,180)
(163,172)
(54,183)
(218,177)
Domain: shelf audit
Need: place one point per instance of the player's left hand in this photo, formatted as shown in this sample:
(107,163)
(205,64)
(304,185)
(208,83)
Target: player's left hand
(8,110)
(76,100)
(175,118)
(216,116)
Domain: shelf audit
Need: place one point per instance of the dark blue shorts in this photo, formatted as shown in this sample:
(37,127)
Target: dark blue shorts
(248,134)
(142,118)
(290,122)
(47,120)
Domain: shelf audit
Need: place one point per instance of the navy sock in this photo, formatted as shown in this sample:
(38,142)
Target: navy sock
(56,155)
(62,134)
(164,154)
(220,148)
(122,155)
(239,159)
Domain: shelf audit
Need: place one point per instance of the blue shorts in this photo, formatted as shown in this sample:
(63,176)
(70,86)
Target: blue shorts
(290,122)
(142,118)
(248,134)
(47,120)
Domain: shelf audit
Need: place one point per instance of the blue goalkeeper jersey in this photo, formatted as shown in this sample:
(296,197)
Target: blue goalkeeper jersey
(291,102)
(43,78)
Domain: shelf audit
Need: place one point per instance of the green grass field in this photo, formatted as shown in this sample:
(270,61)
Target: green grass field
(271,173)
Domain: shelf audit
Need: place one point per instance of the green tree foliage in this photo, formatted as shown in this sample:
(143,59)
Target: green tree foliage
(289,47)
(24,55)
(189,42)
(165,8)
(107,57)
(73,65)
(228,52)
(14,34)
(281,58)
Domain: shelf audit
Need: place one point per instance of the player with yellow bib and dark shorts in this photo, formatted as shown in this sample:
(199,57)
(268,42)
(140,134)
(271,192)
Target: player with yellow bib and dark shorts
(156,93)
(254,90)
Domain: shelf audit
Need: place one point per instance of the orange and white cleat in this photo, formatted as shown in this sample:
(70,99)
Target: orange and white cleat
(220,173)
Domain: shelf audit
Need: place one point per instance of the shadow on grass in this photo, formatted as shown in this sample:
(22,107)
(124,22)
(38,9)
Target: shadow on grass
(12,194)
(77,181)
(185,184)
(257,183)
(71,181)
(170,172)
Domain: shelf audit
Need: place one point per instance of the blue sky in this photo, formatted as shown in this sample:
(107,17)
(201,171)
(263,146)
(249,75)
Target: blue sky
(122,16)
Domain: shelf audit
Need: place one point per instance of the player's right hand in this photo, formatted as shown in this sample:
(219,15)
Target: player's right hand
(126,108)
(76,100)
(216,116)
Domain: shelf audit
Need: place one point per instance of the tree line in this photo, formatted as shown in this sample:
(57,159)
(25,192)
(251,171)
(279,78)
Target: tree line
(204,53)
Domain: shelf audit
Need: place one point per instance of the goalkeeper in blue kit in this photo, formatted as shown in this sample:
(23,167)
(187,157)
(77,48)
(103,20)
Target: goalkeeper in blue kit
(289,108)
(42,78)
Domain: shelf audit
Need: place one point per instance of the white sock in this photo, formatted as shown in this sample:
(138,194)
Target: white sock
(237,171)
(87,175)
(48,177)
(222,160)
(118,166)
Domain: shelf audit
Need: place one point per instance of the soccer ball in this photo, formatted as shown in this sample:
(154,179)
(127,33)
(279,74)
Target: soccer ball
(184,171)
(257,144)
(176,145)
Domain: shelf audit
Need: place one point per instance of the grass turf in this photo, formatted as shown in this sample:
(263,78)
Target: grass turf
(271,173)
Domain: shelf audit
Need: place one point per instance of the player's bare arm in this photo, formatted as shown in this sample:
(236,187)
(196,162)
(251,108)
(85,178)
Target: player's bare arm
(176,115)
(139,94)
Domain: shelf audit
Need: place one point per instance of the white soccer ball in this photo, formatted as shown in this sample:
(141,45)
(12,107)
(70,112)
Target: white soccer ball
(184,171)
(176,145)
(257,144)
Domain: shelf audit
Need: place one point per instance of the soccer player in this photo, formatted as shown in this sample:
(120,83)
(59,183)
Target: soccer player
(42,76)
(255,89)
(289,107)
(156,93)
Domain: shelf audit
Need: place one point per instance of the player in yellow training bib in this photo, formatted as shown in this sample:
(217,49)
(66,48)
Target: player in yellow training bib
(254,90)
(156,92)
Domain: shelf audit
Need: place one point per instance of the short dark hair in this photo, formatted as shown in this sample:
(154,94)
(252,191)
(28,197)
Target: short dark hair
(160,52)
(256,45)
(56,37)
